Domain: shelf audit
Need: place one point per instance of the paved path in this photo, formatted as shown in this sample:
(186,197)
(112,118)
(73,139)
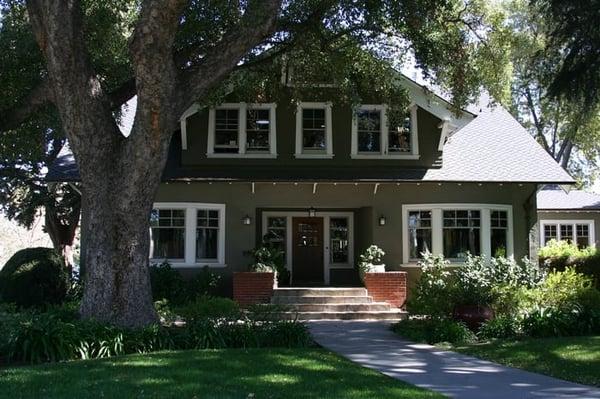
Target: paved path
(373,345)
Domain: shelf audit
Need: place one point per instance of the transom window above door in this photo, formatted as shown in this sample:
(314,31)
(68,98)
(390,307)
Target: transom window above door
(313,131)
(374,136)
(242,130)
(579,232)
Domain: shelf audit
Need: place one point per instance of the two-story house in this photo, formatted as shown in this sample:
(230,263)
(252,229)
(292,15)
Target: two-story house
(327,181)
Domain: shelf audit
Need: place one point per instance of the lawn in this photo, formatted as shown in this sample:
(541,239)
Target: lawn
(228,373)
(574,359)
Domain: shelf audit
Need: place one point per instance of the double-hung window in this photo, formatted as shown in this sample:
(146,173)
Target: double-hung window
(455,230)
(314,131)
(376,135)
(188,234)
(579,232)
(242,130)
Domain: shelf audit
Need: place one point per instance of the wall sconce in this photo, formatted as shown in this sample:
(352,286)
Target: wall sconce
(382,220)
(247,220)
(312,212)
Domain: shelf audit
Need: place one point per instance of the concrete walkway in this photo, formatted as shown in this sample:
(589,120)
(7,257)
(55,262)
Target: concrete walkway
(373,345)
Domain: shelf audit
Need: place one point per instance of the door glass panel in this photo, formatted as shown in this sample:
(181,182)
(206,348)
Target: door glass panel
(339,239)
(308,235)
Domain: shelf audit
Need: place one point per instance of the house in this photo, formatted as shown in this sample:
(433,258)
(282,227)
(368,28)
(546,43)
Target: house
(571,216)
(327,181)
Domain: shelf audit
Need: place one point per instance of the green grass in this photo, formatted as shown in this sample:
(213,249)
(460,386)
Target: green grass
(574,359)
(230,373)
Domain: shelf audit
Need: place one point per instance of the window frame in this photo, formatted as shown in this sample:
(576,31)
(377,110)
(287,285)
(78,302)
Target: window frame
(299,151)
(242,132)
(573,223)
(191,209)
(437,243)
(384,132)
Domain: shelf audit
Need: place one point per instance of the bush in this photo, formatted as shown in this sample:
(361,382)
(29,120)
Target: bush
(432,293)
(167,284)
(34,277)
(559,255)
(210,308)
(434,331)
(500,327)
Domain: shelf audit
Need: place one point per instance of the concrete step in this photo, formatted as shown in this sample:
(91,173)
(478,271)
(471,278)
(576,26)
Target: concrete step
(323,300)
(325,291)
(384,315)
(341,307)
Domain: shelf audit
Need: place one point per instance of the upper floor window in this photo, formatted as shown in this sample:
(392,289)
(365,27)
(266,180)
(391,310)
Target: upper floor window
(579,232)
(313,131)
(242,130)
(373,136)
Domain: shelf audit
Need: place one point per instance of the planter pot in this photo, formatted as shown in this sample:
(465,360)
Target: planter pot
(473,315)
(250,288)
(376,269)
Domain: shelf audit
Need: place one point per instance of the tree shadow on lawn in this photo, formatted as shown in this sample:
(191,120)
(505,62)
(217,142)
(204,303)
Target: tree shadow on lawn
(574,359)
(232,373)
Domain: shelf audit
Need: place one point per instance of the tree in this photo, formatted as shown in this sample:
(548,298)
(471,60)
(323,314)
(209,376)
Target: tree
(174,53)
(566,129)
(574,38)
(28,150)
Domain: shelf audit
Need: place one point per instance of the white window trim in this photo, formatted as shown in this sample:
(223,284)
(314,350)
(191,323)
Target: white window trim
(327,265)
(242,134)
(190,209)
(437,239)
(384,153)
(328,154)
(573,222)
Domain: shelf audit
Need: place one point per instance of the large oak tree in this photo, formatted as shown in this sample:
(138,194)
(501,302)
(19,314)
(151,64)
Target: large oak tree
(95,55)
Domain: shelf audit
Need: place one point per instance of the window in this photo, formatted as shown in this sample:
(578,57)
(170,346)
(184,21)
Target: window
(462,233)
(242,130)
(579,232)
(188,234)
(499,232)
(454,230)
(339,240)
(313,131)
(207,234)
(168,234)
(375,136)
(419,230)
(277,232)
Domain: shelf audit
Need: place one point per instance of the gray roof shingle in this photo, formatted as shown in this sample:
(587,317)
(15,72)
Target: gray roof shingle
(557,199)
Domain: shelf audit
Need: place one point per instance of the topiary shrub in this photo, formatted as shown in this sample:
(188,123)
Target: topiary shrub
(34,277)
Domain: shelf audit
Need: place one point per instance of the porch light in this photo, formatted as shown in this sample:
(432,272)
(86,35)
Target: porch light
(312,212)
(247,220)
(382,220)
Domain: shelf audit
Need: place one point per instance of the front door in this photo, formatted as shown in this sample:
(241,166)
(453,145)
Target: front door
(307,252)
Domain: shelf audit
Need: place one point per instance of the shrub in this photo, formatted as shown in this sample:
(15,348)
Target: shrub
(34,277)
(167,283)
(210,308)
(432,293)
(559,255)
(205,283)
(269,258)
(500,327)
(433,331)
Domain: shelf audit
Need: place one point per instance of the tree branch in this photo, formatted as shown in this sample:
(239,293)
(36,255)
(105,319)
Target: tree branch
(37,99)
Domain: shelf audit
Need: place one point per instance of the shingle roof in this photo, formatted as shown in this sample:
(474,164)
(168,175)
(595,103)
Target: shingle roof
(557,199)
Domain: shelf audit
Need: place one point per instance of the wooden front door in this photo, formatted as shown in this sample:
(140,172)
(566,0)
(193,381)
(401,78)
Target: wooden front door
(307,253)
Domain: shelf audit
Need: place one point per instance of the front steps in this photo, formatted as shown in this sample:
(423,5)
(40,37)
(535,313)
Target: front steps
(333,304)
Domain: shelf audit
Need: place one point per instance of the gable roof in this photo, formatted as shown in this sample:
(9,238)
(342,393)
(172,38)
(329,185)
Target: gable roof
(553,199)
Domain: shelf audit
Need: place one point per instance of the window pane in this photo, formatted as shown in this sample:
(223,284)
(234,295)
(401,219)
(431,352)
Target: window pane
(550,233)
(339,240)
(313,129)
(258,124)
(419,230)
(168,243)
(369,131)
(461,233)
(399,137)
(207,243)
(277,232)
(566,232)
(226,131)
(499,242)
(583,235)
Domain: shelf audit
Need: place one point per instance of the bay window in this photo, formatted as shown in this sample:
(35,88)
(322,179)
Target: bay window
(188,234)
(455,230)
(578,232)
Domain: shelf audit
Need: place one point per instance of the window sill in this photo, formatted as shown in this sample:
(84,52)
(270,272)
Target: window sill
(314,156)
(380,156)
(247,156)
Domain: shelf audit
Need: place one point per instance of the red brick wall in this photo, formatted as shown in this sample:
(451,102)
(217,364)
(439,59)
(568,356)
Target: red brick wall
(387,287)
(250,288)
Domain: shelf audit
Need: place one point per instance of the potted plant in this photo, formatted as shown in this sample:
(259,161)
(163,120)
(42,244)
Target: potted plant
(371,262)
(269,258)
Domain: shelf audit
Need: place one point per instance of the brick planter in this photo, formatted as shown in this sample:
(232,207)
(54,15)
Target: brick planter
(387,287)
(250,288)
